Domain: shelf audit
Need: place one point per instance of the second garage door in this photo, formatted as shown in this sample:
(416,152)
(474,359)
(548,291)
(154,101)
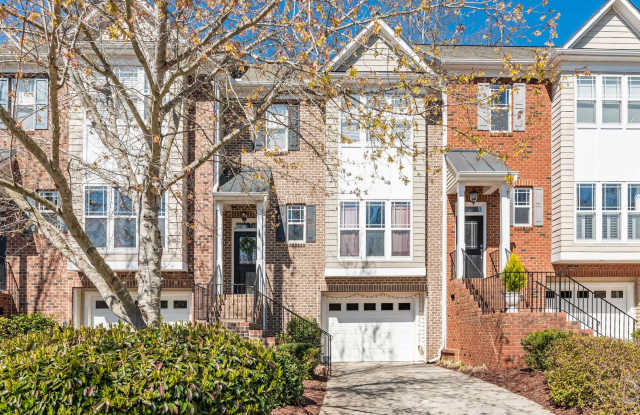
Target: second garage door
(372,329)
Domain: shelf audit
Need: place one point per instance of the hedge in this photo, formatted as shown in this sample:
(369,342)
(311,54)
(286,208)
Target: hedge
(306,353)
(537,344)
(595,372)
(20,324)
(175,369)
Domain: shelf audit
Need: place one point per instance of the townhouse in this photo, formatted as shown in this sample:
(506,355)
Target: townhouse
(403,264)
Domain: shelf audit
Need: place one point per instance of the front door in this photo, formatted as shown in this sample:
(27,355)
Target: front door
(473,239)
(244,261)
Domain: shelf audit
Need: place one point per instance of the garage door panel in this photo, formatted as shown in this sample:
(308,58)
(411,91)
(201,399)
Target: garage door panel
(174,308)
(378,335)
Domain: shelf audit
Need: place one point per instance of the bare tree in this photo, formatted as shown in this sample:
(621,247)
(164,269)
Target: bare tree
(142,112)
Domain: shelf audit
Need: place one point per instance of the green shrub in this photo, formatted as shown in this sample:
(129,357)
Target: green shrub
(175,369)
(20,324)
(537,345)
(306,353)
(636,335)
(301,330)
(595,372)
(514,274)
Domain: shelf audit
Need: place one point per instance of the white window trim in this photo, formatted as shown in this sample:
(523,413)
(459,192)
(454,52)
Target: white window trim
(598,214)
(286,132)
(530,206)
(509,107)
(624,109)
(629,212)
(616,212)
(362,228)
(364,141)
(110,218)
(303,223)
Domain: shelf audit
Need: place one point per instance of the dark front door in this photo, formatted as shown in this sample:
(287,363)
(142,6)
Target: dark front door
(244,261)
(473,237)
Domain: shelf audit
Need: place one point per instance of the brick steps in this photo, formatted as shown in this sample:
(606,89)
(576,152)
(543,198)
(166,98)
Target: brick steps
(243,329)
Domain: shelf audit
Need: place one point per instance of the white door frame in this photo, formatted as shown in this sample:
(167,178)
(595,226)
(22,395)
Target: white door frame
(483,205)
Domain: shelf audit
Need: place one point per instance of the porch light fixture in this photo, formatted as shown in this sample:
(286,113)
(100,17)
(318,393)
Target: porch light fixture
(244,217)
(473,196)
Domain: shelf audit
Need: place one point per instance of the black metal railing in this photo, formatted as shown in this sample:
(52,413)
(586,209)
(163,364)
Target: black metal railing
(494,257)
(219,302)
(551,292)
(471,270)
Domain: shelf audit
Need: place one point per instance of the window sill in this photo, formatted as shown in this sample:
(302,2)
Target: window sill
(296,243)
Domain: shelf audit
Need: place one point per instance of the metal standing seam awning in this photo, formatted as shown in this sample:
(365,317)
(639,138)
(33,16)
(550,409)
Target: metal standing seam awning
(243,184)
(471,168)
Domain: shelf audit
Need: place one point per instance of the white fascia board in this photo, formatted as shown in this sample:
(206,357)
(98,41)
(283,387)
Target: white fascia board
(569,257)
(588,25)
(375,272)
(625,9)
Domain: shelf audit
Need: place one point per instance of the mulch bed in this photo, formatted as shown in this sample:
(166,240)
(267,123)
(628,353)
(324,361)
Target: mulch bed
(314,390)
(526,382)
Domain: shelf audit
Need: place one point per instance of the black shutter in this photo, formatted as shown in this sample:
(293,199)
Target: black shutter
(259,134)
(294,127)
(311,223)
(281,235)
(3,262)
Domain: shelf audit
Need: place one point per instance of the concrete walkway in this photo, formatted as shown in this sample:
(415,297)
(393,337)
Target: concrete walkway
(383,388)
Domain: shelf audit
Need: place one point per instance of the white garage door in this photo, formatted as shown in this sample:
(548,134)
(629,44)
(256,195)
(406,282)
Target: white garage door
(174,306)
(372,330)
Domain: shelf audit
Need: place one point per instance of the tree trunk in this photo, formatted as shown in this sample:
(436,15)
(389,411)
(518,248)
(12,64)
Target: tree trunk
(149,275)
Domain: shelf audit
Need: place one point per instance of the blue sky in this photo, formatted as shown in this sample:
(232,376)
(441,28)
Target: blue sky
(573,14)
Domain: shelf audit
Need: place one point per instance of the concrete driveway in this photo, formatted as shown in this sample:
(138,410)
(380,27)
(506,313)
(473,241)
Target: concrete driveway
(385,388)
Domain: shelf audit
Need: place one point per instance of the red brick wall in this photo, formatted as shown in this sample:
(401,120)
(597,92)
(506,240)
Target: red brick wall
(527,152)
(478,339)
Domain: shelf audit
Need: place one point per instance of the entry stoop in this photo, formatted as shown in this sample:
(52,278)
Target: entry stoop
(243,329)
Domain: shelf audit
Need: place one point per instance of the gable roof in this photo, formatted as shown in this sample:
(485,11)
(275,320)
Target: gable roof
(624,8)
(381,29)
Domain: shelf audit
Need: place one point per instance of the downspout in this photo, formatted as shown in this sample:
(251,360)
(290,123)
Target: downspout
(444,232)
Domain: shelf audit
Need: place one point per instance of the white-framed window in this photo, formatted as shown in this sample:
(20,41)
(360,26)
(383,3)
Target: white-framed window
(30,101)
(296,231)
(48,214)
(400,229)
(522,210)
(611,210)
(162,219)
(586,211)
(375,229)
(110,218)
(611,100)
(500,108)
(277,130)
(613,206)
(586,102)
(633,219)
(349,229)
(361,111)
(385,232)
(633,104)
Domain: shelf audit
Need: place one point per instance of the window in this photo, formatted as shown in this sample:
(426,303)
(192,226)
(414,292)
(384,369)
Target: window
(586,111)
(277,127)
(164,304)
(633,106)
(599,294)
(404,306)
(335,306)
(352,306)
(375,215)
(162,219)
(95,212)
(617,294)
(550,294)
(124,227)
(585,217)
(611,211)
(400,228)
(110,218)
(295,223)
(48,214)
(566,294)
(582,294)
(179,304)
(522,206)
(349,122)
(349,229)
(386,306)
(101,305)
(500,106)
(633,226)
(611,99)
(32,99)
(4,97)
(369,306)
